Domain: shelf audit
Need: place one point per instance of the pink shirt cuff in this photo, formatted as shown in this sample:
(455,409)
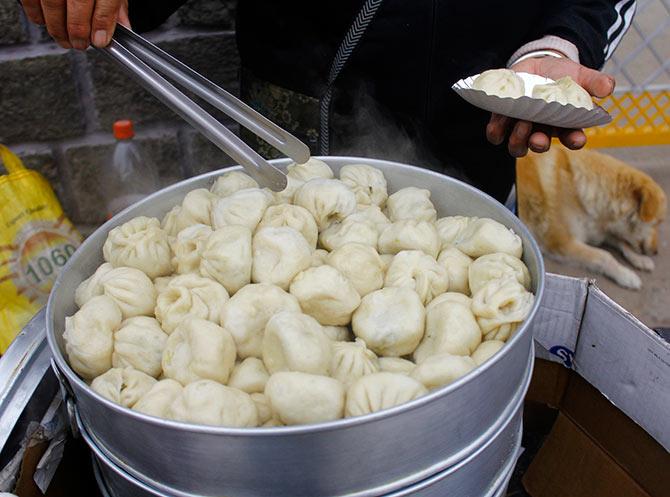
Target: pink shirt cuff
(548,42)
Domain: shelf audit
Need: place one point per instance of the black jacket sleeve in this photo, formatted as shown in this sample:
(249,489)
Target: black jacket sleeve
(146,15)
(594,26)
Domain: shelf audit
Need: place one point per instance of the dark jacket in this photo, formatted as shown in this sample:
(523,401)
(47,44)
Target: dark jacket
(393,97)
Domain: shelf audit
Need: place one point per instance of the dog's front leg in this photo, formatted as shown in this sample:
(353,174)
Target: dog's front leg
(637,260)
(601,261)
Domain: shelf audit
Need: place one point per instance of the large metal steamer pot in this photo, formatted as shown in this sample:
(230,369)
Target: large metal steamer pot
(387,450)
(484,473)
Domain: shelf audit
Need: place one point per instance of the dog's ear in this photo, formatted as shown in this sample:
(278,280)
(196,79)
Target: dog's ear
(651,201)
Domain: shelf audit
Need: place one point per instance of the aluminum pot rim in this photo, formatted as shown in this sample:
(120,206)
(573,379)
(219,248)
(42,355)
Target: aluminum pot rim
(427,477)
(443,467)
(283,431)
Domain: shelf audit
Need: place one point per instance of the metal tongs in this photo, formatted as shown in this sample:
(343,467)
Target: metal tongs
(152,68)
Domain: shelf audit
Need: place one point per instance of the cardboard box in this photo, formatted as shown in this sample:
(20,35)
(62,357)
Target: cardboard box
(593,449)
(586,331)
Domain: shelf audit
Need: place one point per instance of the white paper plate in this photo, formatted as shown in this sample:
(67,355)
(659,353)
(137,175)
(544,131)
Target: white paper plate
(532,109)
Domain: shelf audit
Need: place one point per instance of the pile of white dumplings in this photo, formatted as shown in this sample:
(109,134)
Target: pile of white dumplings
(330,299)
(508,83)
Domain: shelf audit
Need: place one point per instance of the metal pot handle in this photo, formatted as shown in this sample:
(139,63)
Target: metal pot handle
(68,399)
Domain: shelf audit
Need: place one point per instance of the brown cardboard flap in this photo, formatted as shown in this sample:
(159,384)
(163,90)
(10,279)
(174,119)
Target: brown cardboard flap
(548,384)
(629,445)
(570,464)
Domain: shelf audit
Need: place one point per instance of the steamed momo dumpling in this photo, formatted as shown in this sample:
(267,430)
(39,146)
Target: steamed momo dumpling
(286,195)
(142,244)
(302,398)
(243,208)
(348,231)
(226,257)
(390,320)
(337,333)
(457,265)
(500,82)
(360,264)
(92,286)
(500,306)
(550,92)
(352,360)
(442,369)
(294,341)
(278,255)
(495,266)
(411,203)
(450,327)
(371,214)
(291,216)
(198,350)
(139,343)
(485,236)
(250,376)
(313,168)
(157,400)
(123,386)
(574,93)
(319,258)
(328,200)
(247,313)
(387,259)
(263,408)
(418,271)
(450,228)
(131,289)
(170,223)
(196,208)
(377,391)
(189,295)
(409,234)
(161,283)
(89,336)
(187,248)
(210,403)
(486,350)
(367,182)
(396,365)
(326,295)
(231,182)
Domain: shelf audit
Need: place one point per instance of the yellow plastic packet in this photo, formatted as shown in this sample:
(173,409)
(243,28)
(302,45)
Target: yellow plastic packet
(36,240)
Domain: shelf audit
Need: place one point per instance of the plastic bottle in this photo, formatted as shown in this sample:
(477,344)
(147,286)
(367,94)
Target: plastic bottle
(130,177)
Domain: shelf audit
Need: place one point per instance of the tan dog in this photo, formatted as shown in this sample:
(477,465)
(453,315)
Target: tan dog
(575,201)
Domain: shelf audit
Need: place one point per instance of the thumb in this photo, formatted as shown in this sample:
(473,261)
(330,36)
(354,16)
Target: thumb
(595,82)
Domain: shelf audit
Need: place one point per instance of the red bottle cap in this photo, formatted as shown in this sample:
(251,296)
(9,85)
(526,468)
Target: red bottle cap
(123,130)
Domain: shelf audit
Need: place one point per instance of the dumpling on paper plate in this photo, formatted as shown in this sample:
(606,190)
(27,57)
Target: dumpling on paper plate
(500,82)
(575,94)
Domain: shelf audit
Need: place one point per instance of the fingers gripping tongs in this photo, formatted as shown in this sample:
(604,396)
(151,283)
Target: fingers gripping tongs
(152,68)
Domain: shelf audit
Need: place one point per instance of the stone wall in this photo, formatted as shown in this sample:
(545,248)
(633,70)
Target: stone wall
(57,107)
